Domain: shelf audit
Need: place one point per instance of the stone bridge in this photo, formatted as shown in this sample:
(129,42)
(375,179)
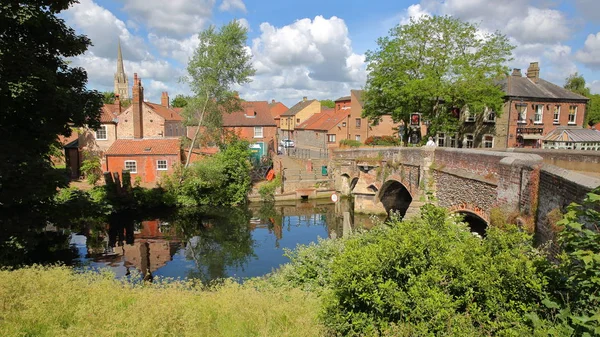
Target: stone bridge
(467,181)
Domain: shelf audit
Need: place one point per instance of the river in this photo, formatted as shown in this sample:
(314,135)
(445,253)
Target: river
(209,244)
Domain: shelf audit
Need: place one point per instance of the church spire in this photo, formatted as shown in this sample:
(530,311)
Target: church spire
(121,81)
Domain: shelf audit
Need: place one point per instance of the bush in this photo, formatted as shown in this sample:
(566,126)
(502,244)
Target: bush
(91,167)
(383,141)
(350,143)
(267,190)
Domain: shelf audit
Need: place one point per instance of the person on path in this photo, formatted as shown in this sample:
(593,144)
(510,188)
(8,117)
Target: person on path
(430,142)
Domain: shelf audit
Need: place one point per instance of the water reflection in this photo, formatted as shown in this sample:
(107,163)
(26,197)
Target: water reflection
(209,244)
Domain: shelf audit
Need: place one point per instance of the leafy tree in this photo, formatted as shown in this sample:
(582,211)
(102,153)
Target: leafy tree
(42,98)
(219,62)
(328,103)
(576,83)
(432,64)
(179,101)
(108,97)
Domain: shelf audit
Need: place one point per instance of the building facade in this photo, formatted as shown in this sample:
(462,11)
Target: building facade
(296,115)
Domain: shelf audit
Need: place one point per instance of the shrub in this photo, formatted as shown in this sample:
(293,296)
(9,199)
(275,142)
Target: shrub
(431,276)
(350,143)
(383,140)
(91,167)
(267,190)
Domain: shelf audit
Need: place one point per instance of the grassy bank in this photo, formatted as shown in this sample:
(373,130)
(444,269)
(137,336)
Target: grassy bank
(57,302)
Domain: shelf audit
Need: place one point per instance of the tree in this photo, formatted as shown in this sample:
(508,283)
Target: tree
(42,97)
(328,103)
(179,101)
(108,97)
(576,83)
(219,62)
(433,64)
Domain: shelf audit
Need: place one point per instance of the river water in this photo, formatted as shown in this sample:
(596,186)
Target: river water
(209,244)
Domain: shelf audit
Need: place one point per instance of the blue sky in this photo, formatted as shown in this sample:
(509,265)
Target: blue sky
(316,48)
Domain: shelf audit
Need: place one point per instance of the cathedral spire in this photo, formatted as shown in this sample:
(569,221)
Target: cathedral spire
(121,81)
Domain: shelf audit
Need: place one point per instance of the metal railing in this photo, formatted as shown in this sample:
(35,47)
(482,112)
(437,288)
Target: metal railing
(305,153)
(300,175)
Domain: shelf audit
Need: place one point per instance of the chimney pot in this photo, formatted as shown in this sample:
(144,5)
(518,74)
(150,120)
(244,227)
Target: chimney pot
(272,101)
(517,72)
(304,99)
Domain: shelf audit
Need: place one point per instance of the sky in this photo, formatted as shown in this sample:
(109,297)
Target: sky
(317,48)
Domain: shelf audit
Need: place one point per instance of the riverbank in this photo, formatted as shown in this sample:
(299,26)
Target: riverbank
(57,301)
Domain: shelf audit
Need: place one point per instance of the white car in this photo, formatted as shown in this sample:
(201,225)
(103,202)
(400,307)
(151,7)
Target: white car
(287,143)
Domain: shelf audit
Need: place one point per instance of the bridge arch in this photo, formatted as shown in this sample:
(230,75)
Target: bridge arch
(395,196)
(475,217)
(348,183)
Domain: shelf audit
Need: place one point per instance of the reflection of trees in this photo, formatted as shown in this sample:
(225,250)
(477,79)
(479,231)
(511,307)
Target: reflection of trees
(217,239)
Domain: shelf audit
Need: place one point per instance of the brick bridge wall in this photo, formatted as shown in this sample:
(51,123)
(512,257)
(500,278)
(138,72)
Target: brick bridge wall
(462,180)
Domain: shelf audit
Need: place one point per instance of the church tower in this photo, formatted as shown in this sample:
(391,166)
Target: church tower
(121,81)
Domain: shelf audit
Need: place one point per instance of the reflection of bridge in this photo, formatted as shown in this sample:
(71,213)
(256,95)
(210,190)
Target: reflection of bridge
(471,182)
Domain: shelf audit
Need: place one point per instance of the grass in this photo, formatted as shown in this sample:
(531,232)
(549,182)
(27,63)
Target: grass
(55,301)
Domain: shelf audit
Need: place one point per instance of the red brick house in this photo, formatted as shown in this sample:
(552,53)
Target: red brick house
(323,130)
(254,124)
(143,156)
(277,109)
(159,120)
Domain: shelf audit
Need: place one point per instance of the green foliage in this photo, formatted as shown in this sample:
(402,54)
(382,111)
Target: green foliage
(593,110)
(433,64)
(42,97)
(108,97)
(350,143)
(223,179)
(91,167)
(219,62)
(267,190)
(327,103)
(58,301)
(383,140)
(180,101)
(576,83)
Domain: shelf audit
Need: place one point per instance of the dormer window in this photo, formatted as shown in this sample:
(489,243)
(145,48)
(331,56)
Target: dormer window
(489,116)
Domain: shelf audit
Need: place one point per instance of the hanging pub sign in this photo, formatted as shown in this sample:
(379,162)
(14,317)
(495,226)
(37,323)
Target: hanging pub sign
(415,119)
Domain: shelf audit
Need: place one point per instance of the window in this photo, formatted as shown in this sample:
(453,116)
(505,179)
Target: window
(344,124)
(489,116)
(488,141)
(452,140)
(441,139)
(298,120)
(131,166)
(331,138)
(556,114)
(522,113)
(161,165)
(101,133)
(358,121)
(469,117)
(258,132)
(539,114)
(468,141)
(357,137)
(572,114)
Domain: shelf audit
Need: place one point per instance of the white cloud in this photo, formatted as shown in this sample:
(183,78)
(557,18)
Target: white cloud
(590,53)
(594,86)
(413,11)
(540,25)
(105,30)
(177,17)
(244,23)
(179,49)
(232,5)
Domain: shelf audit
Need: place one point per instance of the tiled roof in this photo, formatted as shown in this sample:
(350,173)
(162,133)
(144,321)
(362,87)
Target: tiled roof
(345,98)
(359,96)
(565,134)
(298,107)
(277,108)
(262,115)
(124,147)
(169,114)
(109,113)
(517,86)
(323,121)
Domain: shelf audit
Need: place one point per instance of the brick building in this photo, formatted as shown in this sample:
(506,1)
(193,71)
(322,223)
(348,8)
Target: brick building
(296,115)
(255,124)
(533,108)
(277,109)
(360,128)
(142,156)
(159,120)
(323,130)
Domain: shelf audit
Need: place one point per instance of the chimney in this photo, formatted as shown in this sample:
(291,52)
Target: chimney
(517,72)
(273,101)
(137,104)
(304,99)
(164,99)
(118,103)
(533,72)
